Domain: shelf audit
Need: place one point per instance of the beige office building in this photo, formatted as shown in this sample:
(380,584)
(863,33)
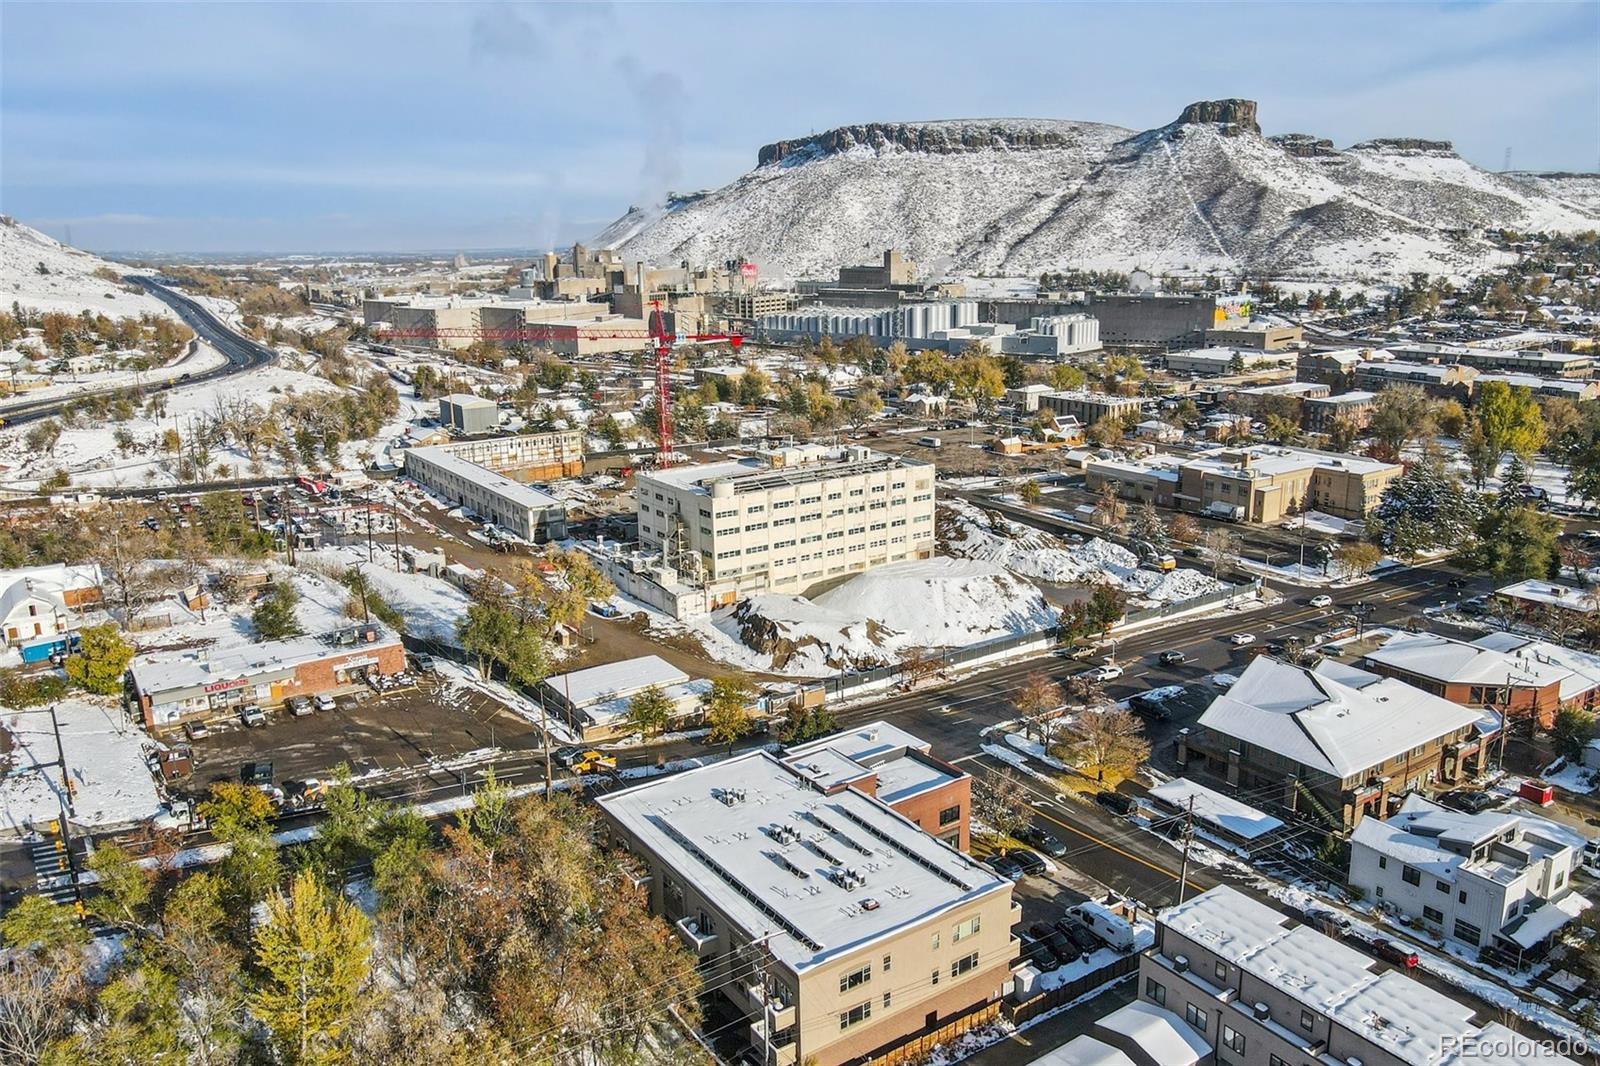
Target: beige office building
(788,518)
(1260,484)
(835,926)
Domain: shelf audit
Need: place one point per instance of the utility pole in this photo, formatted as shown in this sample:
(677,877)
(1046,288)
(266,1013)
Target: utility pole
(67,811)
(1188,837)
(369,523)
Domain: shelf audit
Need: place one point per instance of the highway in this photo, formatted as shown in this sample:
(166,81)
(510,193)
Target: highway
(242,354)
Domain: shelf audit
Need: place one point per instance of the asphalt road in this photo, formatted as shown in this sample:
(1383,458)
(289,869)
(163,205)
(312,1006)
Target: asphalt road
(242,353)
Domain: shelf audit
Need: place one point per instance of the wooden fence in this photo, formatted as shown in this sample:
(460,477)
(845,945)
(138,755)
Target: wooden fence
(919,1047)
(1066,993)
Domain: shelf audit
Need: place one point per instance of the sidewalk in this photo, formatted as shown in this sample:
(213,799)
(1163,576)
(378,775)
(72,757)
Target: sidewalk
(1052,1030)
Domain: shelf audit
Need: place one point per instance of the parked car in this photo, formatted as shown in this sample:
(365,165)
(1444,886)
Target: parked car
(1037,953)
(1116,802)
(1081,935)
(1043,840)
(252,715)
(1172,658)
(325,702)
(1239,640)
(1060,945)
(197,731)
(298,706)
(1031,863)
(1149,705)
(1078,651)
(1322,601)
(1469,800)
(255,773)
(424,663)
(1006,867)
(592,762)
(1398,954)
(1108,672)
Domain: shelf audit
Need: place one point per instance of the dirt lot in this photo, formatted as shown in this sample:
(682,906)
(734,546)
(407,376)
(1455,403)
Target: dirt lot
(367,732)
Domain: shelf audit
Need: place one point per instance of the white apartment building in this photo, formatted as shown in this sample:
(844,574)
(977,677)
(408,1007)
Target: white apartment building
(789,518)
(1264,990)
(1476,878)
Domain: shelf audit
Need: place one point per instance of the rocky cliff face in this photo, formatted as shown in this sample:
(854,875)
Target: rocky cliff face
(1233,116)
(1206,193)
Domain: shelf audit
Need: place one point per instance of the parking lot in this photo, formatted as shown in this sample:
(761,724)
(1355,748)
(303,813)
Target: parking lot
(368,732)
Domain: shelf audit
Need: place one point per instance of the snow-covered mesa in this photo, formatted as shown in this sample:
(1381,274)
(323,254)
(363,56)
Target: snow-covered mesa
(1016,197)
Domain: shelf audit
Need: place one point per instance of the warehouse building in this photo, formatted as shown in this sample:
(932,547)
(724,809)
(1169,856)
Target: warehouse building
(833,925)
(197,685)
(595,701)
(1220,362)
(465,413)
(788,518)
(483,476)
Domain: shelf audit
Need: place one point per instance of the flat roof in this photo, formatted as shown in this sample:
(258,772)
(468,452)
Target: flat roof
(514,492)
(1552,593)
(1224,812)
(899,759)
(192,669)
(609,681)
(804,465)
(726,829)
(1388,1009)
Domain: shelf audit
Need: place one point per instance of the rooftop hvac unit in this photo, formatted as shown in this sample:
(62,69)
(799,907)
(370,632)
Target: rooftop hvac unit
(1181,964)
(1262,1012)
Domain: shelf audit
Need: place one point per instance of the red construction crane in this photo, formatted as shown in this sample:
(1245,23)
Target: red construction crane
(660,340)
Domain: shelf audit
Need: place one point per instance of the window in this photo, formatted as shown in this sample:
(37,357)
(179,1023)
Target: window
(936,940)
(1195,1016)
(1221,971)
(886,999)
(1411,875)
(1433,914)
(949,816)
(855,978)
(888,963)
(1383,862)
(1233,1039)
(1155,990)
(1273,1060)
(1308,1021)
(935,978)
(1461,897)
(1379,891)
(855,1015)
(1442,886)
(1468,932)
(965,964)
(967,928)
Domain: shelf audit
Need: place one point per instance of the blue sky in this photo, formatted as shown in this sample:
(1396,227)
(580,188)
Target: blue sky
(309,127)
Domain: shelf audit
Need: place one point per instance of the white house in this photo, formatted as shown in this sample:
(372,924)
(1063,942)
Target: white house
(39,601)
(1482,879)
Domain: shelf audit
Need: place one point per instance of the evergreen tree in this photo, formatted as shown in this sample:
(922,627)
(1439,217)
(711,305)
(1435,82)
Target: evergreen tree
(650,711)
(100,660)
(274,616)
(1425,509)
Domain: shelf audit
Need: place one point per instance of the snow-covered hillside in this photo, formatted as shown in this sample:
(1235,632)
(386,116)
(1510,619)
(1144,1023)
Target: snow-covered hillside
(67,281)
(1016,197)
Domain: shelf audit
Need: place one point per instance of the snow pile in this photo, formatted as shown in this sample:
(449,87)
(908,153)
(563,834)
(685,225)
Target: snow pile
(874,617)
(1017,197)
(969,532)
(68,283)
(111,782)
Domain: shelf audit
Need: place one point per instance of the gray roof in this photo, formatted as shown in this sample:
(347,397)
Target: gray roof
(715,828)
(1333,718)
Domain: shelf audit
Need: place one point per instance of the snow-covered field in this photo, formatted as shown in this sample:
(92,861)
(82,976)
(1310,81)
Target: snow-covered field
(969,532)
(111,784)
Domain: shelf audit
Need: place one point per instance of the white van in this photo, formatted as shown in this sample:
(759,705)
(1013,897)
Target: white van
(1106,924)
(930,442)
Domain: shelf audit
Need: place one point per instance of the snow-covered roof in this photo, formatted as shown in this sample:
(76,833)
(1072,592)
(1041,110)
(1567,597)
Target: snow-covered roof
(1494,659)
(155,675)
(1226,813)
(1550,593)
(1343,399)
(1161,1034)
(609,681)
(723,828)
(514,492)
(684,697)
(1331,717)
(1389,1010)
(1533,926)
(1419,834)
(899,760)
(1084,1050)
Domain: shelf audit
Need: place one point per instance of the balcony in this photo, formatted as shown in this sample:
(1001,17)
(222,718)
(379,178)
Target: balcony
(781,1056)
(782,1014)
(689,930)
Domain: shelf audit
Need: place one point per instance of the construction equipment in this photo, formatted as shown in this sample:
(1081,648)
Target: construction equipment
(661,342)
